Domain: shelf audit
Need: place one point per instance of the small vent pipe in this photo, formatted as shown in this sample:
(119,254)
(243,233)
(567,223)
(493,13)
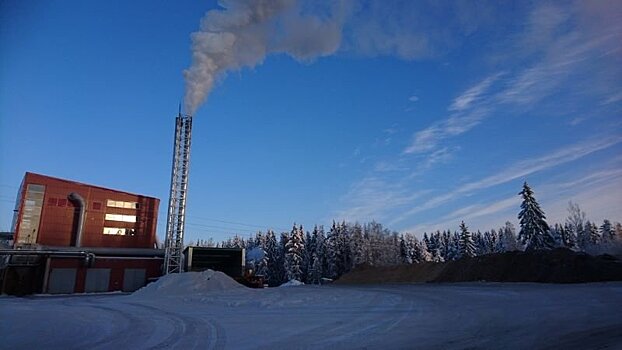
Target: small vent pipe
(76,198)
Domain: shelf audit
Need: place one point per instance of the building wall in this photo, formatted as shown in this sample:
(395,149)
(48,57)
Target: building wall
(113,218)
(115,279)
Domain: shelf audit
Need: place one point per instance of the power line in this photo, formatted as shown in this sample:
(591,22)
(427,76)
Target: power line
(213,226)
(239,223)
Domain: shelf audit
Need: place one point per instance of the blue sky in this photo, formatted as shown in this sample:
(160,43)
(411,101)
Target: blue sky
(414,114)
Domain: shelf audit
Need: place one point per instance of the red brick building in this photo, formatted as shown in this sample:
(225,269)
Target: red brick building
(49,215)
(73,237)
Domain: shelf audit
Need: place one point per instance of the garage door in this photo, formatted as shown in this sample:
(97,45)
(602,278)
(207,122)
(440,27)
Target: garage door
(62,281)
(133,279)
(97,280)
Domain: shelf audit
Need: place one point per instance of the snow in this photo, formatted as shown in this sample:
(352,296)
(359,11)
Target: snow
(189,283)
(292,283)
(191,311)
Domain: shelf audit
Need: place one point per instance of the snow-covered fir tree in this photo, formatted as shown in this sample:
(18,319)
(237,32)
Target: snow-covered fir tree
(422,254)
(534,233)
(568,237)
(606,232)
(509,237)
(467,247)
(273,274)
(294,248)
(593,232)
(318,255)
(357,244)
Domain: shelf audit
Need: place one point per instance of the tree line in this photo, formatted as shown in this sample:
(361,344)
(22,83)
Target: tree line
(315,256)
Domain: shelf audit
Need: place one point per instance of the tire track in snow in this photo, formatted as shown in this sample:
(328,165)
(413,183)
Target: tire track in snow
(141,326)
(195,332)
(379,313)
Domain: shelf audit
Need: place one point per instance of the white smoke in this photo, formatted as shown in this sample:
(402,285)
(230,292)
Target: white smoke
(243,33)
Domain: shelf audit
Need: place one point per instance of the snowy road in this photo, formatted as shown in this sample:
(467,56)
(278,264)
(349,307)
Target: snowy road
(515,316)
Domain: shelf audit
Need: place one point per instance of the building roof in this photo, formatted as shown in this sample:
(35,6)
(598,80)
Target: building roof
(71,182)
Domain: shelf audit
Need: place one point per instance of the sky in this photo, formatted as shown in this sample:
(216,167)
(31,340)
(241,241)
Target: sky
(417,115)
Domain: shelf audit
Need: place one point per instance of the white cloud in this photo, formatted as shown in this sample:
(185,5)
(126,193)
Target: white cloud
(517,170)
(468,214)
(413,98)
(555,56)
(466,99)
(601,200)
(469,111)
(373,198)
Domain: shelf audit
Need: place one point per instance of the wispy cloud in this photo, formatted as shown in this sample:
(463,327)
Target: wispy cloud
(518,170)
(373,198)
(428,139)
(466,99)
(566,53)
(468,214)
(554,56)
(599,194)
(413,98)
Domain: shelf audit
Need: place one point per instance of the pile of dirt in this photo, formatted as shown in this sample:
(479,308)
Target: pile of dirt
(553,266)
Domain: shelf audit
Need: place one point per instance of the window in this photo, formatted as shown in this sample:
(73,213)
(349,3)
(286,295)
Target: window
(117,231)
(120,217)
(121,204)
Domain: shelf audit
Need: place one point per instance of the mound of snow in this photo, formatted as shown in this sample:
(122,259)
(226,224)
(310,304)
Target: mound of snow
(189,283)
(292,283)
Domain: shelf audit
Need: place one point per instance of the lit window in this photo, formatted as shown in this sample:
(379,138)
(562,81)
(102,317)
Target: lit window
(121,204)
(120,217)
(118,231)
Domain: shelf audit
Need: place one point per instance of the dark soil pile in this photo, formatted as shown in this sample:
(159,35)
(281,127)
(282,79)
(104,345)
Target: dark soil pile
(554,266)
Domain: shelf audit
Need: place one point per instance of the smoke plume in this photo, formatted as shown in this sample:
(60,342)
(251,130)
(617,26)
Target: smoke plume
(243,33)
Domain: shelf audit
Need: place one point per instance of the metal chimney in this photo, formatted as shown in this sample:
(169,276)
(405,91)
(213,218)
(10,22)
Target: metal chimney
(175,221)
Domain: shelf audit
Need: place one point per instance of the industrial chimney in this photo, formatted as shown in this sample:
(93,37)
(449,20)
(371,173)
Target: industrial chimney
(175,220)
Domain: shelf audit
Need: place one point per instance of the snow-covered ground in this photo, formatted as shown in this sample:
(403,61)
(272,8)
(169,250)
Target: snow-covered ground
(206,311)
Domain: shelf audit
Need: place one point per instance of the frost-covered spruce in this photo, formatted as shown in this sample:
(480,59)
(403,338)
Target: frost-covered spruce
(534,231)
(467,246)
(606,231)
(294,249)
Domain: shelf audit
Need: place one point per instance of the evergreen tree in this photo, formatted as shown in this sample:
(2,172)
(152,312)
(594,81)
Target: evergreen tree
(467,247)
(568,237)
(509,237)
(357,244)
(294,249)
(273,271)
(606,231)
(422,252)
(607,235)
(594,237)
(318,255)
(404,254)
(455,246)
(534,232)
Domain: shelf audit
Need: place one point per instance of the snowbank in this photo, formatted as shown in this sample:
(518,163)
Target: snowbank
(188,283)
(292,283)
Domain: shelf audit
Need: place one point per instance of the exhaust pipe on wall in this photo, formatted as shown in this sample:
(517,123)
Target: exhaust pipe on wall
(76,198)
